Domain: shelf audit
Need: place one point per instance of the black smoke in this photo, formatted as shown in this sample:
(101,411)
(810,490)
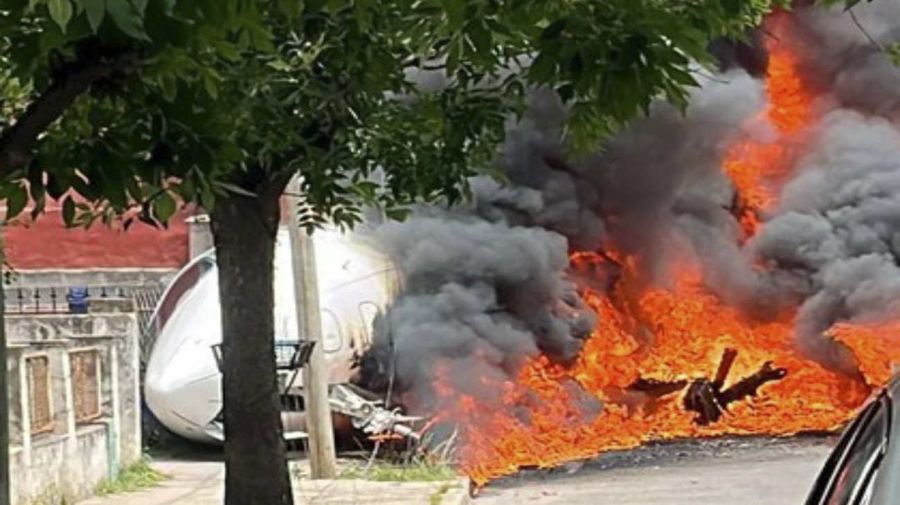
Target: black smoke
(487,284)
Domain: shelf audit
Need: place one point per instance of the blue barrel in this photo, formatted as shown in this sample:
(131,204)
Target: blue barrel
(78,299)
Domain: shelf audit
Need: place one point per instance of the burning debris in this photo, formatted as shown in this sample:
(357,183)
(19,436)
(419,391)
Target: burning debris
(710,399)
(570,310)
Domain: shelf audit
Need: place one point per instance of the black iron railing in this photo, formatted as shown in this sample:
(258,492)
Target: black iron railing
(52,299)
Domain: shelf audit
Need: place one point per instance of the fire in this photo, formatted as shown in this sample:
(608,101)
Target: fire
(757,167)
(629,383)
(689,330)
(876,346)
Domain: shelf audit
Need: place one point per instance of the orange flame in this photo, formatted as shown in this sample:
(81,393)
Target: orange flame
(551,414)
(755,166)
(690,329)
(875,345)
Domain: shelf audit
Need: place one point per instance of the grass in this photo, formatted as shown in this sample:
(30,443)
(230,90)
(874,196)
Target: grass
(438,496)
(420,471)
(137,476)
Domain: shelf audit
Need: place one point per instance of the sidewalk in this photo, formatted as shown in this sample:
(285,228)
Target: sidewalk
(200,483)
(188,482)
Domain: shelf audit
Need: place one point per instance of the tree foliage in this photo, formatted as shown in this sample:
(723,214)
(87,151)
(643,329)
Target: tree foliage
(130,108)
(189,101)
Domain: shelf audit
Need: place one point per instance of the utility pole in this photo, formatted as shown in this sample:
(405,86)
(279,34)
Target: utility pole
(322,458)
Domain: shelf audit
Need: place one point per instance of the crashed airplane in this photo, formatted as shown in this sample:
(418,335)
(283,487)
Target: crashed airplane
(182,381)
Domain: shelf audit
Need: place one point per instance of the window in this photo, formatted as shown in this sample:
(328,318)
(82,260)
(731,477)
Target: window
(332,339)
(38,369)
(187,279)
(86,385)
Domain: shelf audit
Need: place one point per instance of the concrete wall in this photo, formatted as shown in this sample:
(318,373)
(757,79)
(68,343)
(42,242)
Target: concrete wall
(200,237)
(69,462)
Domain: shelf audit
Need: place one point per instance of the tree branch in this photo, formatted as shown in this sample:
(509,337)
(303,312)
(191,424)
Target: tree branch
(864,31)
(76,78)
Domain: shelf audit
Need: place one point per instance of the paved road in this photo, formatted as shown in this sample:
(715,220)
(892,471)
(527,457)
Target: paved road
(725,472)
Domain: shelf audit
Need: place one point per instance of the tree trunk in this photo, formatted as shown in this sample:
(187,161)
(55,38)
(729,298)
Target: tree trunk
(256,470)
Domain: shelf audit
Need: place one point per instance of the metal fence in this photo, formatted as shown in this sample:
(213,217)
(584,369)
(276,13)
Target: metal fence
(145,299)
(39,300)
(52,299)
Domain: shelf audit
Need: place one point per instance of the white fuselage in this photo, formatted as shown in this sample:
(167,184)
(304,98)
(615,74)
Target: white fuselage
(182,382)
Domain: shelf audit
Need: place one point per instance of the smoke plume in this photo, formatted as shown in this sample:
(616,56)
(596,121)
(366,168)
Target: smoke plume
(488,285)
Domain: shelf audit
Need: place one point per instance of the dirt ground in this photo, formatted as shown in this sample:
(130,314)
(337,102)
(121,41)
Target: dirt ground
(741,471)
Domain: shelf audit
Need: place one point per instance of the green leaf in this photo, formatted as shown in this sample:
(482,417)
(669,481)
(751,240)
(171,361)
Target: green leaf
(682,77)
(207,199)
(39,203)
(481,39)
(335,6)
(233,188)
(291,8)
(894,53)
(228,50)
(169,87)
(456,13)
(260,37)
(164,206)
(542,69)
(60,12)
(397,213)
(554,29)
(140,5)
(128,18)
(280,65)
(209,84)
(95,10)
(68,211)
(16,200)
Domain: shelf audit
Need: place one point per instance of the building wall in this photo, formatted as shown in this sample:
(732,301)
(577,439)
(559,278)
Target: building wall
(57,472)
(47,259)
(48,244)
(65,465)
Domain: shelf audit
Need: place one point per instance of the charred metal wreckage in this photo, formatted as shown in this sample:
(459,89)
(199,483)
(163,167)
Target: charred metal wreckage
(370,416)
(709,399)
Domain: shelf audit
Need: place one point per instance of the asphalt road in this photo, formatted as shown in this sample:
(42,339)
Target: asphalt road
(748,471)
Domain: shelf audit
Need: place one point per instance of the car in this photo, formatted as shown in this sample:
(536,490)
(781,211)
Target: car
(864,467)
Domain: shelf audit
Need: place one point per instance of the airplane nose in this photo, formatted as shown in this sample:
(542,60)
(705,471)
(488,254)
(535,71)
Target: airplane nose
(170,374)
(187,399)
(182,383)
